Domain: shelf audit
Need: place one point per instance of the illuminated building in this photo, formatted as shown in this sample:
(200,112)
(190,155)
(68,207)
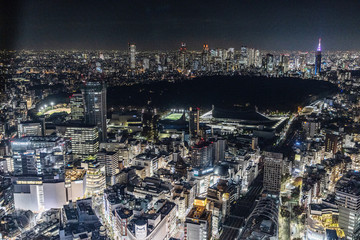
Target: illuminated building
(331,143)
(110,160)
(205,56)
(220,197)
(30,155)
(318,59)
(28,129)
(183,195)
(182,57)
(149,161)
(269,62)
(77,106)
(94,94)
(75,183)
(155,225)
(273,163)
(258,59)
(123,217)
(194,122)
(251,57)
(37,195)
(95,178)
(198,225)
(322,218)
(132,50)
(84,139)
(202,154)
(347,197)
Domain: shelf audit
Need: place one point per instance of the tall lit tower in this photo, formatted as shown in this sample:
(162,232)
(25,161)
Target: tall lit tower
(318,59)
(132,49)
(182,56)
(94,94)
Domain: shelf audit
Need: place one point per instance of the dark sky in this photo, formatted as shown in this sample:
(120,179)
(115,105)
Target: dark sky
(160,25)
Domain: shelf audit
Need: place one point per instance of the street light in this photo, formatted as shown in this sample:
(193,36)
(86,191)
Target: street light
(52,105)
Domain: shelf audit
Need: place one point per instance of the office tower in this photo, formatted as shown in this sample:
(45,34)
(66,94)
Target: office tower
(77,106)
(258,59)
(202,154)
(251,57)
(272,171)
(194,122)
(244,55)
(318,59)
(347,198)
(84,139)
(110,160)
(132,50)
(331,143)
(37,155)
(220,145)
(269,62)
(182,56)
(285,63)
(28,129)
(94,94)
(205,56)
(198,224)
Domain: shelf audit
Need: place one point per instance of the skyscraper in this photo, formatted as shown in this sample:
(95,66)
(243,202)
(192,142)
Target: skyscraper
(77,107)
(318,59)
(348,200)
(272,171)
(182,56)
(132,49)
(194,121)
(94,94)
(84,139)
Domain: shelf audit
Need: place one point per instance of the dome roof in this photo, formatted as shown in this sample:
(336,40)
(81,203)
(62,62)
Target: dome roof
(221,170)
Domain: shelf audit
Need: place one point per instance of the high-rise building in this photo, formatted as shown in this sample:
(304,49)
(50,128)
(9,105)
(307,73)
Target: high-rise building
(182,56)
(220,145)
(331,143)
(194,122)
(37,155)
(258,59)
(251,57)
(77,106)
(132,49)
(347,197)
(318,59)
(84,139)
(272,171)
(110,160)
(202,154)
(94,94)
(205,56)
(269,62)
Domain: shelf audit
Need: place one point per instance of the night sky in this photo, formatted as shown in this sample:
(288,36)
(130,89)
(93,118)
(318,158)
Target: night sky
(162,25)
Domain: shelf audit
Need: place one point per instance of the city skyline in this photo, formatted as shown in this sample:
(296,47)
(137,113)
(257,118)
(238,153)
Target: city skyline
(160,25)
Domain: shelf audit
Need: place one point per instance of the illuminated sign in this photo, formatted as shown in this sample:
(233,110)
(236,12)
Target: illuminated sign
(200,202)
(29,182)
